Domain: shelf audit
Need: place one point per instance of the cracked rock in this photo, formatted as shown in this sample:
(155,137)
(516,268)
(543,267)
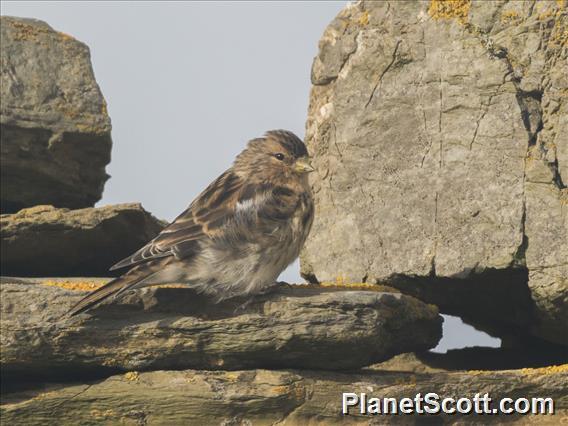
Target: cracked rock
(173,328)
(54,123)
(441,153)
(264,397)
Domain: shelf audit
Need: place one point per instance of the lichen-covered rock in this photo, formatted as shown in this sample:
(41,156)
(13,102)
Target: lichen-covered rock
(264,397)
(54,123)
(46,241)
(173,328)
(439,136)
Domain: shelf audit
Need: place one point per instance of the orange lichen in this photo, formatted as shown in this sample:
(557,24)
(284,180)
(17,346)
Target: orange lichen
(510,16)
(299,393)
(295,391)
(132,376)
(549,13)
(448,9)
(478,372)
(364,18)
(27,32)
(350,286)
(281,390)
(564,196)
(65,36)
(232,377)
(79,285)
(172,285)
(559,34)
(339,284)
(219,362)
(102,415)
(74,285)
(551,369)
(104,108)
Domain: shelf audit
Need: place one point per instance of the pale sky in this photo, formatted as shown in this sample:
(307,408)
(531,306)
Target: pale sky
(189,83)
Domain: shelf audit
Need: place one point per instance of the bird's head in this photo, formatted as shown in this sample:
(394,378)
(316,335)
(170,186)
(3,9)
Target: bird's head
(279,153)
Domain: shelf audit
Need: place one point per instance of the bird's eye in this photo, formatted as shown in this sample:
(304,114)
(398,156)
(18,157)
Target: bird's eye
(279,156)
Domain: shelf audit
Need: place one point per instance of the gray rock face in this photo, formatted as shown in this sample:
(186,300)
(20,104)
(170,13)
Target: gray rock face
(439,136)
(55,128)
(264,397)
(173,328)
(45,241)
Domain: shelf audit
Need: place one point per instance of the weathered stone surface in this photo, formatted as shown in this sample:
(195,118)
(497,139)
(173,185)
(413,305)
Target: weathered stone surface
(45,241)
(173,328)
(439,136)
(55,128)
(263,397)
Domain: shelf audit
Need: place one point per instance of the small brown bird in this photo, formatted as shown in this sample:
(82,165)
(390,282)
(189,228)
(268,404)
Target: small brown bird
(237,236)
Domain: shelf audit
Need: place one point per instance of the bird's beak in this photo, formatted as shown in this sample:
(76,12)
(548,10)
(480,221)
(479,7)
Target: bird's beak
(303,165)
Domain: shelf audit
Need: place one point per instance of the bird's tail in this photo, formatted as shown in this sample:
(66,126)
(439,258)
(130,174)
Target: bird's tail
(112,288)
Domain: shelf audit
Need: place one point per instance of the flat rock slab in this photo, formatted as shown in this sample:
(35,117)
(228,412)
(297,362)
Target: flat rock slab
(47,241)
(55,126)
(173,328)
(264,397)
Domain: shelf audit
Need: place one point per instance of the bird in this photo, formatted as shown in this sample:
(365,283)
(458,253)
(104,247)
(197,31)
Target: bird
(236,236)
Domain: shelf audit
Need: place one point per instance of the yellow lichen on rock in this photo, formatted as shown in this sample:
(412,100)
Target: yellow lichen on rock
(478,372)
(65,36)
(510,16)
(74,285)
(364,18)
(173,285)
(132,376)
(27,32)
(232,377)
(551,369)
(104,108)
(559,34)
(447,9)
(102,415)
(345,285)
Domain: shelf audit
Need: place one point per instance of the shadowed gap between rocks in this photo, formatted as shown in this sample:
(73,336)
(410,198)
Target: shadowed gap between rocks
(536,355)
(497,302)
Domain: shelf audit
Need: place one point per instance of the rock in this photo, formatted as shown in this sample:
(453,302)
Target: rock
(264,397)
(438,131)
(55,127)
(173,328)
(479,358)
(45,241)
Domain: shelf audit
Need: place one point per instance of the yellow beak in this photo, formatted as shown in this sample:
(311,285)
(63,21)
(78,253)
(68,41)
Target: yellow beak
(303,165)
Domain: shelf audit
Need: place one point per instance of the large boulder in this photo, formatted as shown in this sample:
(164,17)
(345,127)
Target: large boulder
(46,241)
(54,123)
(264,397)
(173,328)
(439,136)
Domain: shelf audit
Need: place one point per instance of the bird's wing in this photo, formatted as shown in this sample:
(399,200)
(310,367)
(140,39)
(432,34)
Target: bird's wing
(229,208)
(180,237)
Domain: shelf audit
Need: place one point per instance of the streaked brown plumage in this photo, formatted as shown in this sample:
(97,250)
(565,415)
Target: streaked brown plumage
(238,235)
